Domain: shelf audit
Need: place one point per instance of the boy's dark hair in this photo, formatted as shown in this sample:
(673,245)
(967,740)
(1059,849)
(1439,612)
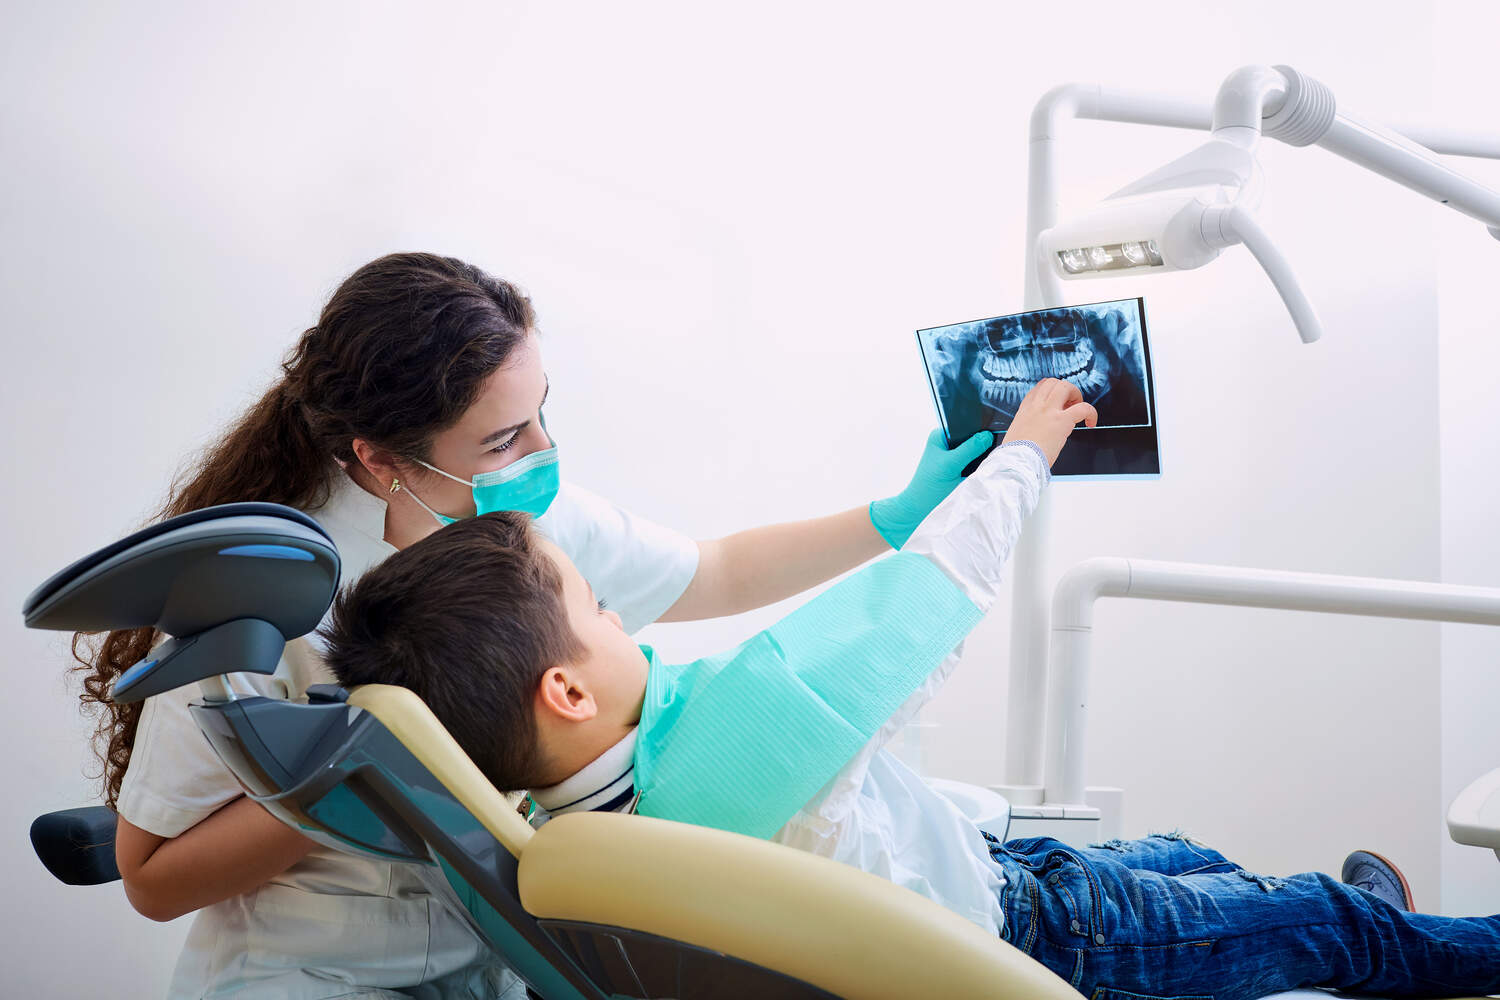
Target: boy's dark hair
(469,619)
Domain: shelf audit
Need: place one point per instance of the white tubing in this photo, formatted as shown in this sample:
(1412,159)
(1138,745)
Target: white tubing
(1240,225)
(1078,590)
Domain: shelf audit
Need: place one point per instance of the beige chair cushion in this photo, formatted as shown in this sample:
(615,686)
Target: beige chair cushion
(412,722)
(850,933)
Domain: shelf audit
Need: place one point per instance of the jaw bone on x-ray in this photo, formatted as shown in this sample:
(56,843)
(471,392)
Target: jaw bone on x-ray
(981,371)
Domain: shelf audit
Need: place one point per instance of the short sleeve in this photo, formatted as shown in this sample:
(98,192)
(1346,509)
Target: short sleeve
(174,779)
(640,568)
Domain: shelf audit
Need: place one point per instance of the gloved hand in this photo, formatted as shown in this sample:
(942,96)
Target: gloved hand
(938,472)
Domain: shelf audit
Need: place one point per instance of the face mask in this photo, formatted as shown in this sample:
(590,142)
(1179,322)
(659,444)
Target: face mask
(528,485)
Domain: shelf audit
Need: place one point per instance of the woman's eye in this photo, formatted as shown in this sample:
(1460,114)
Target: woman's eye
(602,604)
(506,444)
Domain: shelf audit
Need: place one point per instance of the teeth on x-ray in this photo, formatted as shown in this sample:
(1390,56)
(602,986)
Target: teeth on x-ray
(995,362)
(981,371)
(1006,376)
(1016,352)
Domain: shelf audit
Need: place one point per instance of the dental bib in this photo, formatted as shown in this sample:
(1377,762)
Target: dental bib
(742,740)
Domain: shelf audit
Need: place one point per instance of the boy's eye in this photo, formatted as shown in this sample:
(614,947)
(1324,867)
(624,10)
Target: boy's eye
(602,605)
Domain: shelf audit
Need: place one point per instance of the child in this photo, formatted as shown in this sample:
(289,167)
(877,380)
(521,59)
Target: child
(782,738)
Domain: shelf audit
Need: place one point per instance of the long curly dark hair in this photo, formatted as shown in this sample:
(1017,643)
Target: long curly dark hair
(400,351)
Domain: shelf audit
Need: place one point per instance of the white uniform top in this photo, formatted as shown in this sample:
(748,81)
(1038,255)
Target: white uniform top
(334,924)
(876,814)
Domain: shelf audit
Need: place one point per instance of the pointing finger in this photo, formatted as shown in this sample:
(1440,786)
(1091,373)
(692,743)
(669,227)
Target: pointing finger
(1081,411)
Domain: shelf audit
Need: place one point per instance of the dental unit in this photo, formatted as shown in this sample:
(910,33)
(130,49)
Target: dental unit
(1182,216)
(601,905)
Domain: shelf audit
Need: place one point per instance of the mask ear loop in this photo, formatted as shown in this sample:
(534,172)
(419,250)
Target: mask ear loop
(396,487)
(467,482)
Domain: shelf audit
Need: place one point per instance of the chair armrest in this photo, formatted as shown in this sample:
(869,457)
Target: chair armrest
(77,845)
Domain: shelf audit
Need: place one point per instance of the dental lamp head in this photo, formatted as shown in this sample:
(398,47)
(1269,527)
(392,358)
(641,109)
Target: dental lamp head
(1183,215)
(1144,234)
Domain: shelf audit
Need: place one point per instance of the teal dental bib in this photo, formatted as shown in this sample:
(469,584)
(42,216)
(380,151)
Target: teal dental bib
(742,740)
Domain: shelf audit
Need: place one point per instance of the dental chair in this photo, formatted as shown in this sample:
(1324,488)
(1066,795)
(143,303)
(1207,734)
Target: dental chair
(594,905)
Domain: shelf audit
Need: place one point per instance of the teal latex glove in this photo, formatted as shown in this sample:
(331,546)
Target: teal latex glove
(938,472)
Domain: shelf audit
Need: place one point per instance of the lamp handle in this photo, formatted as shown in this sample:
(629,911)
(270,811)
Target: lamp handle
(1237,225)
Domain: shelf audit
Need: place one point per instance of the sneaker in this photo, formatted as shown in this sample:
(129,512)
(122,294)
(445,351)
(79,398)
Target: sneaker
(1369,871)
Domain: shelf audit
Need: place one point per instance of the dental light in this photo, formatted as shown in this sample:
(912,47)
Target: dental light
(1183,215)
(1178,218)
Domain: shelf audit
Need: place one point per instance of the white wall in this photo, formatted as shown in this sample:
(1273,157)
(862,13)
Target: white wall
(730,225)
(1470,352)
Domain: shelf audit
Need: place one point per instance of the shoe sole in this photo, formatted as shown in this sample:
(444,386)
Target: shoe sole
(1411,906)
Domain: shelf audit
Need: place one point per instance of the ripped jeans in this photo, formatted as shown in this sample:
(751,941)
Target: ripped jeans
(1165,917)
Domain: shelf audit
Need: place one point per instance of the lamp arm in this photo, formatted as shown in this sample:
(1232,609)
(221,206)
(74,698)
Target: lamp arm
(1234,224)
(1308,114)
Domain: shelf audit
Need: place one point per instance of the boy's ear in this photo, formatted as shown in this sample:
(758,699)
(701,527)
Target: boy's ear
(562,694)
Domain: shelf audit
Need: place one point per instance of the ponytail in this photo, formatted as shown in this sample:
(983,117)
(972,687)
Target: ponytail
(269,454)
(400,351)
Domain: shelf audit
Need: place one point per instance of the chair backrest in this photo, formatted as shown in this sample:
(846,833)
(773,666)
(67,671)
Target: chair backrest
(336,769)
(651,908)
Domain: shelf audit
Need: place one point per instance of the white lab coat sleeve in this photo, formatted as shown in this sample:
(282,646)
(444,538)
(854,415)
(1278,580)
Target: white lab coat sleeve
(174,779)
(969,536)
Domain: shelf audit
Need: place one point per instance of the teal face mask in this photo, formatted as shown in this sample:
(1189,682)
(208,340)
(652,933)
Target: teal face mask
(528,485)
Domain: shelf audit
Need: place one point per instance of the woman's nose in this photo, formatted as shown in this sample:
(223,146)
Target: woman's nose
(531,440)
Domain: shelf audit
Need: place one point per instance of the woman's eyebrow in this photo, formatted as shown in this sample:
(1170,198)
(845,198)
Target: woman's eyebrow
(502,432)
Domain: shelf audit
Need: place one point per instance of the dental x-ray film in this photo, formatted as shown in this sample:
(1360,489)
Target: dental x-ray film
(980,372)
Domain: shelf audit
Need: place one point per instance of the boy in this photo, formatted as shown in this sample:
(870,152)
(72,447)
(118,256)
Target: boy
(782,738)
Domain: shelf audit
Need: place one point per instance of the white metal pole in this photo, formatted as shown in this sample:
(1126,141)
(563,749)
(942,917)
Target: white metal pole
(1081,586)
(1026,689)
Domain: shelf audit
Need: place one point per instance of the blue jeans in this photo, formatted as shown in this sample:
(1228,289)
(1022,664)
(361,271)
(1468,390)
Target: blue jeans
(1165,917)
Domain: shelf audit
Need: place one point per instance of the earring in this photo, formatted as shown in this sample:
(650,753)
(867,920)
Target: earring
(395,485)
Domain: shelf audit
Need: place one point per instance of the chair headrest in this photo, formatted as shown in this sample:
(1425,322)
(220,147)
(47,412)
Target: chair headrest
(197,571)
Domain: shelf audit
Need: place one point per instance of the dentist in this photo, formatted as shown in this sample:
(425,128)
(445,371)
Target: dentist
(416,400)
